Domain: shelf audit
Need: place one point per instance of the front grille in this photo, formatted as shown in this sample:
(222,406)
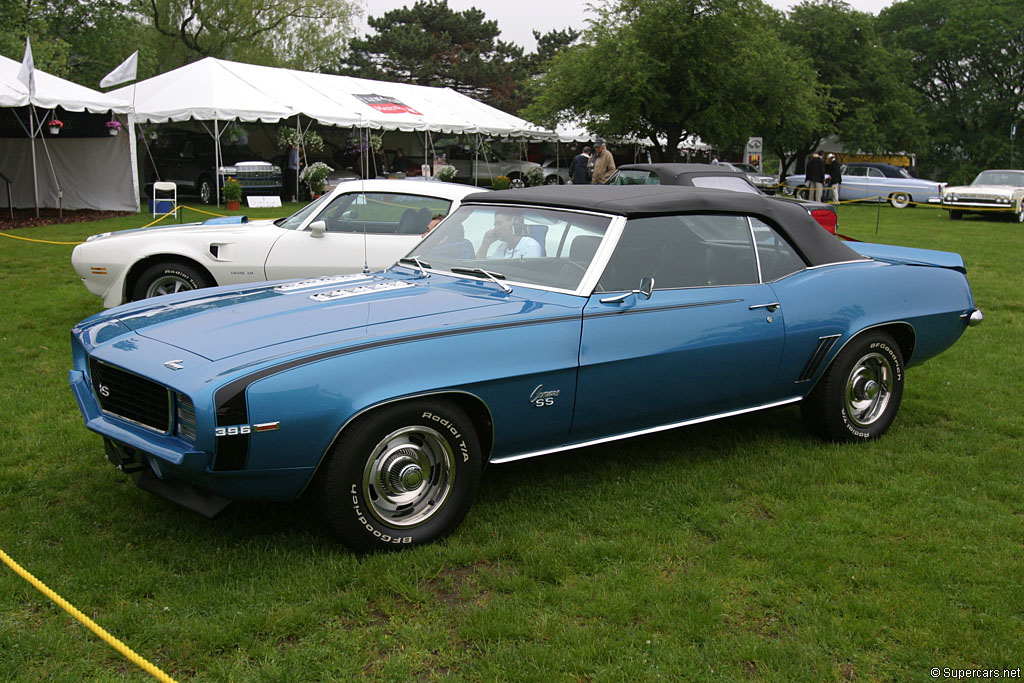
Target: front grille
(131,397)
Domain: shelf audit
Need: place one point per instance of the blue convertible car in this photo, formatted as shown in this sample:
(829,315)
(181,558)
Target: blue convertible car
(529,322)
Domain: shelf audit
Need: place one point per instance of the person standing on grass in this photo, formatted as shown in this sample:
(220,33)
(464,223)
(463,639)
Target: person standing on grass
(604,162)
(815,176)
(835,177)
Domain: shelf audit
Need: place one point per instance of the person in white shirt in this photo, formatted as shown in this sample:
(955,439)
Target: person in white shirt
(508,239)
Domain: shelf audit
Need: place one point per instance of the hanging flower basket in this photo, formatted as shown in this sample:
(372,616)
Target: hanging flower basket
(113,127)
(55,126)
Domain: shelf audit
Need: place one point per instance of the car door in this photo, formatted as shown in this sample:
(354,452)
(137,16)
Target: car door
(371,228)
(855,184)
(707,341)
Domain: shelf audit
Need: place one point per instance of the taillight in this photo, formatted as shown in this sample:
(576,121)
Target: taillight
(826,218)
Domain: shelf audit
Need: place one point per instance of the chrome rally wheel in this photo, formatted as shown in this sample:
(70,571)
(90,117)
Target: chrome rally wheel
(408,476)
(869,389)
(401,475)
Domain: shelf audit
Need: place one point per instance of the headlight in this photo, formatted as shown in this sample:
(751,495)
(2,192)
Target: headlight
(184,417)
(1003,200)
(277,170)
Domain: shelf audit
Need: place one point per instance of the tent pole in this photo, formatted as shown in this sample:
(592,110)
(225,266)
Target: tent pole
(32,141)
(216,159)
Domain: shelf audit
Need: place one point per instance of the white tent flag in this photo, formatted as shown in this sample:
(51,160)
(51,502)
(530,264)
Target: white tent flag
(27,74)
(127,71)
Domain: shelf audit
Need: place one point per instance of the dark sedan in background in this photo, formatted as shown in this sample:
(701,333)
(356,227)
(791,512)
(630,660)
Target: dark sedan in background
(715,176)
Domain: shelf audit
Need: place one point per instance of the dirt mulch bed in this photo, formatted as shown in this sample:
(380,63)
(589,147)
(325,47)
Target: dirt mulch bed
(24,218)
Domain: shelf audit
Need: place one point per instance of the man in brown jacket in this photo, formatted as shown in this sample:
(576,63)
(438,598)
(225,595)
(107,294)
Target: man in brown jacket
(604,163)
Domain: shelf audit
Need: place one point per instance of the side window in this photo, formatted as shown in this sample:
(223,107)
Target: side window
(776,255)
(383,213)
(875,173)
(634,177)
(856,172)
(682,251)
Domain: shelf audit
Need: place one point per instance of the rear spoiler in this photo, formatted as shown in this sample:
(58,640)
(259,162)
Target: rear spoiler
(910,255)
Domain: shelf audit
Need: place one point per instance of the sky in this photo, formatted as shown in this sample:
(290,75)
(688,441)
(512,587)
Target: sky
(518,18)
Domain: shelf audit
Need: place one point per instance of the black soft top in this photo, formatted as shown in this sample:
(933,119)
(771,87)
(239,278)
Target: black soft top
(636,201)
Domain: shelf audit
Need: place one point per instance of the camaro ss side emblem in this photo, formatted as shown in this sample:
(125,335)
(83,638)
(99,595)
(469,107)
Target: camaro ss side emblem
(541,397)
(175,364)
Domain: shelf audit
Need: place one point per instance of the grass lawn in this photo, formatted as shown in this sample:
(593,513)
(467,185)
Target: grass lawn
(742,549)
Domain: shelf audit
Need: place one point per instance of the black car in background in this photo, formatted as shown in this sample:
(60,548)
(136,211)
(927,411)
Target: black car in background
(187,158)
(714,176)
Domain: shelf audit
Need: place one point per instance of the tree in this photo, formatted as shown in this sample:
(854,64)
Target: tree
(300,34)
(866,94)
(431,44)
(669,69)
(75,39)
(968,63)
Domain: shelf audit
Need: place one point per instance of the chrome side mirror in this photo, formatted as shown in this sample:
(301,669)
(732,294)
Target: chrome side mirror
(645,290)
(317,229)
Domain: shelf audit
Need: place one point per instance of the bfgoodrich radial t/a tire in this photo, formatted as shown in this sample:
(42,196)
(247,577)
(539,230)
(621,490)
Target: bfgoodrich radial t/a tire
(858,396)
(168,277)
(404,475)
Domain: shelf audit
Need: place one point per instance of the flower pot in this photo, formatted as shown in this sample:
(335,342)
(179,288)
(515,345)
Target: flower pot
(112,131)
(54,130)
(233,204)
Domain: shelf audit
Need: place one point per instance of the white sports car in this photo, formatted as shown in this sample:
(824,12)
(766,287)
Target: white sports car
(359,224)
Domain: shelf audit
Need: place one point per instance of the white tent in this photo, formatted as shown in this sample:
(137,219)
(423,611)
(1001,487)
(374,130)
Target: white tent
(92,172)
(216,89)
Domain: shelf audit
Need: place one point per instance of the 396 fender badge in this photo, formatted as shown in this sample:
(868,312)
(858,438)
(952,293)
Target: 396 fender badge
(175,364)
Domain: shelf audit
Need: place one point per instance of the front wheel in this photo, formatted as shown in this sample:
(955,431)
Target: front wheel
(858,396)
(168,278)
(899,200)
(404,475)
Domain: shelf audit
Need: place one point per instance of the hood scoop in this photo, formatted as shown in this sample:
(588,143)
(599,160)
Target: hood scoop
(321,282)
(360,290)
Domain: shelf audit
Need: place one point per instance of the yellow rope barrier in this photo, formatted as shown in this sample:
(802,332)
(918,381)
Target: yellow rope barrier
(89,623)
(29,239)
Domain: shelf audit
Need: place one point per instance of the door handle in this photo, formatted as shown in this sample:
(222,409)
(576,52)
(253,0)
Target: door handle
(772,307)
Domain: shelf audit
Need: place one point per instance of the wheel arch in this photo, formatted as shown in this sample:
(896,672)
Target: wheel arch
(132,277)
(902,332)
(471,404)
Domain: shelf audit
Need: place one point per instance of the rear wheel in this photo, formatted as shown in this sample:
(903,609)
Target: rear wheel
(899,200)
(858,396)
(516,181)
(404,475)
(168,277)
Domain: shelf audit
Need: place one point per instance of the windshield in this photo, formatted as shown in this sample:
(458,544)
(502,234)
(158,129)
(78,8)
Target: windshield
(1015,178)
(535,246)
(294,222)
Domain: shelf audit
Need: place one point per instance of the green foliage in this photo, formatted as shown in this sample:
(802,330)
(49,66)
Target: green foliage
(431,44)
(501,182)
(864,96)
(315,176)
(293,33)
(446,172)
(968,64)
(671,69)
(535,176)
(232,190)
(310,140)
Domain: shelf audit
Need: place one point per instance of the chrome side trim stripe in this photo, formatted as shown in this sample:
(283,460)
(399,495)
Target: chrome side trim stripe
(641,432)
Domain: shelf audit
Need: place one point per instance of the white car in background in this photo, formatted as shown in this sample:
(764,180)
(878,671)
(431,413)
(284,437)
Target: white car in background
(997,190)
(359,224)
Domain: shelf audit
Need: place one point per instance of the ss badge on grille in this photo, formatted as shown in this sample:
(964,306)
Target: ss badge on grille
(104,390)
